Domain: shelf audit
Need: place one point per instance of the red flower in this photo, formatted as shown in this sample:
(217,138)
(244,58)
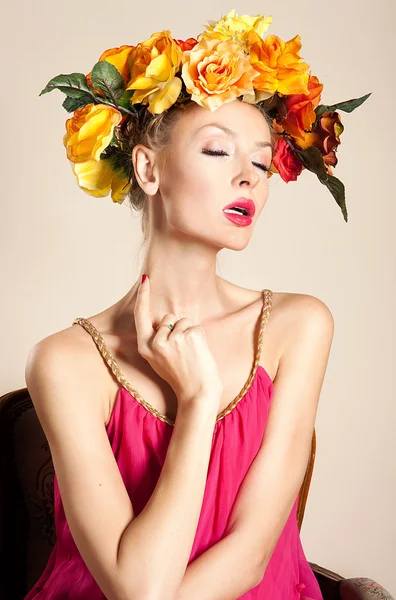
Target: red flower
(285,161)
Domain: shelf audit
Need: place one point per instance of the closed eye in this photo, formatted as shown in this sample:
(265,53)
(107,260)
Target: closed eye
(222,153)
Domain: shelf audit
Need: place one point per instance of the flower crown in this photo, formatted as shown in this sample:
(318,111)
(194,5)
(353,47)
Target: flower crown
(231,59)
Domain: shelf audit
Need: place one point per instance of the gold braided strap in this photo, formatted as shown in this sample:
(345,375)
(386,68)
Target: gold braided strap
(265,312)
(112,363)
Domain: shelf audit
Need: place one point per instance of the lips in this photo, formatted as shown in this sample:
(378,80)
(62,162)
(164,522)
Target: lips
(246,206)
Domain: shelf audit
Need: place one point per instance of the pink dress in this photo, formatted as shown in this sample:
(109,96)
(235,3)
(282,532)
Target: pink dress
(237,436)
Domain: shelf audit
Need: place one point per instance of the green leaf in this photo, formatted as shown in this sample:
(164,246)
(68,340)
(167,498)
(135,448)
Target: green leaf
(125,100)
(71,104)
(337,189)
(347,106)
(312,160)
(106,78)
(72,84)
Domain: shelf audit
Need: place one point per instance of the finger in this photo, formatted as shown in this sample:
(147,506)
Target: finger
(164,331)
(182,324)
(143,322)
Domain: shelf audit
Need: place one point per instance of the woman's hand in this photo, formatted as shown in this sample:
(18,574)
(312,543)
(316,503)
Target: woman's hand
(180,356)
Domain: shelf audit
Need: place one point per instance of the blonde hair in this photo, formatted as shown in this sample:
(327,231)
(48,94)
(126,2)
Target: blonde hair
(157,135)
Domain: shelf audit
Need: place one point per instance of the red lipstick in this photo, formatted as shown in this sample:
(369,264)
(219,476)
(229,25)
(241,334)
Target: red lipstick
(240,211)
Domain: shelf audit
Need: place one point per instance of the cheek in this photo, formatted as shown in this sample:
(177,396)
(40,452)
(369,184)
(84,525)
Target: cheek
(193,183)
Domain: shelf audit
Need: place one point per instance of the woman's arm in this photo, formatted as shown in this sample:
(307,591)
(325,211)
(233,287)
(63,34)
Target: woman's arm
(270,488)
(131,557)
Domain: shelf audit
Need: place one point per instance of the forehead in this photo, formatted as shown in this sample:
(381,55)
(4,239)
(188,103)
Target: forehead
(236,119)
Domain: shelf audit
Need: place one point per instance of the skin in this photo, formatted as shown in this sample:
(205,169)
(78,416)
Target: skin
(187,190)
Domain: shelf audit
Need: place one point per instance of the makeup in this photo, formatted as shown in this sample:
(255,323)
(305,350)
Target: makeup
(240,211)
(238,219)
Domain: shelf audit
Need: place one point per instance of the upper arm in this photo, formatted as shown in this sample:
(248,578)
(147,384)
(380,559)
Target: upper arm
(273,481)
(70,410)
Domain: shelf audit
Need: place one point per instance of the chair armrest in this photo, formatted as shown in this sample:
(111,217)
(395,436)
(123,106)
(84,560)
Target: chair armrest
(335,587)
(363,588)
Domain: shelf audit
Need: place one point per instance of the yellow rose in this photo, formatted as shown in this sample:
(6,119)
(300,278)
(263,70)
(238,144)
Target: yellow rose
(279,65)
(97,178)
(232,26)
(89,131)
(217,71)
(153,65)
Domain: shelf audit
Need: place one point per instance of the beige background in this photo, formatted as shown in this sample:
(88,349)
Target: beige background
(65,254)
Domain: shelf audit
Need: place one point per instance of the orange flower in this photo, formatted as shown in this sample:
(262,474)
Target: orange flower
(118,57)
(153,65)
(217,71)
(298,109)
(187,44)
(279,66)
(89,131)
(326,137)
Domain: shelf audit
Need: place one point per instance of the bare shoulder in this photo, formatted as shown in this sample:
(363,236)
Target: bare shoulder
(67,358)
(305,308)
(296,316)
(311,312)
(308,329)
(65,347)
(303,328)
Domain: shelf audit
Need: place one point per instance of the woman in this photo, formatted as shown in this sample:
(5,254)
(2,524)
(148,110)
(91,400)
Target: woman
(186,484)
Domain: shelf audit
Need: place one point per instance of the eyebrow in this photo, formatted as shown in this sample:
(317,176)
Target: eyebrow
(259,144)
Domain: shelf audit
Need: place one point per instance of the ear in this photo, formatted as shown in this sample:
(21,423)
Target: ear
(146,166)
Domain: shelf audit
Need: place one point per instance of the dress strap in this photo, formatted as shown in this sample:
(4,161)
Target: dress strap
(112,363)
(109,358)
(265,313)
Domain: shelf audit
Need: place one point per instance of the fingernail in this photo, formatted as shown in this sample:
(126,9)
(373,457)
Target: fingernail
(143,277)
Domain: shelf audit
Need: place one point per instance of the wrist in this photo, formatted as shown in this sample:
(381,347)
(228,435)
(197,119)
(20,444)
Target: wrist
(202,407)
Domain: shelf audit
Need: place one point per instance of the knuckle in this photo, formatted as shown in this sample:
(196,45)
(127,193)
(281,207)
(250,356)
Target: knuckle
(159,344)
(185,320)
(142,349)
(194,331)
(168,316)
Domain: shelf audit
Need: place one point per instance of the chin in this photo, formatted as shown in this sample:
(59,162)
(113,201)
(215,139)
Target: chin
(237,242)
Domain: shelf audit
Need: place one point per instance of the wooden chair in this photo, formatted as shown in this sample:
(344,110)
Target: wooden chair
(27,531)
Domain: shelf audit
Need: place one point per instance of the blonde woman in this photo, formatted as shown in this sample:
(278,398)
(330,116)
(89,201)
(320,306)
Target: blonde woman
(180,418)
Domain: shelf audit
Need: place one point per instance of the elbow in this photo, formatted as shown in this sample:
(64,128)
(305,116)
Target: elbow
(140,580)
(151,595)
(142,589)
(136,594)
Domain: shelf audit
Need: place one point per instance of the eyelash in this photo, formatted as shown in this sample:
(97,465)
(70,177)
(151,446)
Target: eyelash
(222,153)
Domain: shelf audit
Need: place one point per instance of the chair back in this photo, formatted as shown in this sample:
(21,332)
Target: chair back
(27,531)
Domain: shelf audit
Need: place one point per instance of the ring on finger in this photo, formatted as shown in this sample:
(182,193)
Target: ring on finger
(164,324)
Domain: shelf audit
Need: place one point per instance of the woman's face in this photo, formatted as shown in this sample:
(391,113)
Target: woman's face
(198,183)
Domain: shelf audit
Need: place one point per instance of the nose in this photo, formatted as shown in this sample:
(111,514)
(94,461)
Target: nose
(248,174)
